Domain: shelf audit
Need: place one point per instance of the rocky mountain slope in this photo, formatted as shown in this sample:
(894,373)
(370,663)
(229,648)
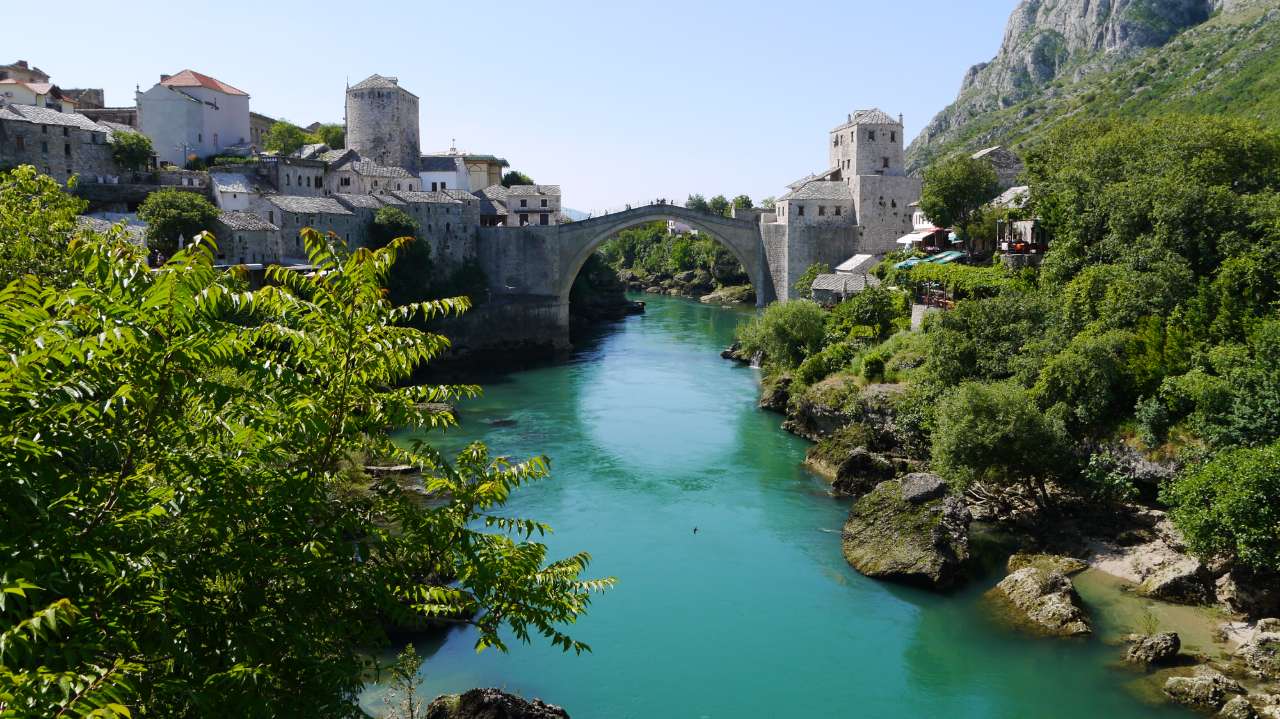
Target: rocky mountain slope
(1061,58)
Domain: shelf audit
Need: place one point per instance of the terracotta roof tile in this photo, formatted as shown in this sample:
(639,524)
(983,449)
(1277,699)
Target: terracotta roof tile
(191,78)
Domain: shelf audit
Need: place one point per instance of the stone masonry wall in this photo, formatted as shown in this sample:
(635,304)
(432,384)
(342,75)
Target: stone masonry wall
(883,211)
(382,125)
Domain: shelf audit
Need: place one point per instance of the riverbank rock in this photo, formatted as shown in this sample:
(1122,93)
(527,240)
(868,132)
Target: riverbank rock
(1208,691)
(924,542)
(1048,562)
(1156,564)
(861,471)
(1261,652)
(734,295)
(491,704)
(775,393)
(824,407)
(1238,708)
(1044,601)
(1152,649)
(1249,592)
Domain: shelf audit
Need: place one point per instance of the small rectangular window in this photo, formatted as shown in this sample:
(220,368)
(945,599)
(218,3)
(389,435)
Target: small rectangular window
(886,163)
(66,132)
(66,149)
(893,136)
(800,210)
(524,203)
(871,135)
(524,219)
(444,185)
(433,187)
(822,210)
(544,203)
(543,219)
(44,147)
(838,208)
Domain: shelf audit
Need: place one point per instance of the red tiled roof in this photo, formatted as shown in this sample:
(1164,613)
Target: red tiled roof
(191,78)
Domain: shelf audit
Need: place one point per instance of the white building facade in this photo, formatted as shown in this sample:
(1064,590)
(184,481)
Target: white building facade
(191,114)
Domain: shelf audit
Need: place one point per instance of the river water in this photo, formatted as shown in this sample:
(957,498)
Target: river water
(650,435)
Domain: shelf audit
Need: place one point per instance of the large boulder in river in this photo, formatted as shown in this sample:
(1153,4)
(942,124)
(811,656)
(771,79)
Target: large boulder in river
(1183,579)
(1238,708)
(1151,649)
(1207,691)
(919,538)
(491,704)
(1253,593)
(1042,600)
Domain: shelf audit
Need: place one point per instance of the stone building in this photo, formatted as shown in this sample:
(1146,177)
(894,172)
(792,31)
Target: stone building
(351,175)
(40,94)
(866,152)
(382,123)
(59,144)
(245,238)
(22,71)
(444,172)
(192,114)
(259,125)
(816,222)
(291,213)
(533,205)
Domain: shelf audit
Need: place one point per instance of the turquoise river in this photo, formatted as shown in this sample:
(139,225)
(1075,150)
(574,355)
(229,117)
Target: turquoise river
(650,435)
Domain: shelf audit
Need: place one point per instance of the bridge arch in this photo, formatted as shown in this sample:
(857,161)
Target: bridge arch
(579,240)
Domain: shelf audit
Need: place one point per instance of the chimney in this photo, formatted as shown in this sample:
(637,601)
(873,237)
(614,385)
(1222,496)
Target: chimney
(22,64)
(164,77)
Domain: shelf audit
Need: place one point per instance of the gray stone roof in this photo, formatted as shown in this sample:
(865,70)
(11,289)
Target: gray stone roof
(308,205)
(856,264)
(810,178)
(368,202)
(1014,197)
(389,199)
(369,168)
(518,190)
(246,222)
(313,151)
(231,182)
(333,156)
(376,81)
(874,116)
(47,116)
(460,195)
(439,163)
(845,284)
(136,234)
(820,190)
(432,197)
(493,200)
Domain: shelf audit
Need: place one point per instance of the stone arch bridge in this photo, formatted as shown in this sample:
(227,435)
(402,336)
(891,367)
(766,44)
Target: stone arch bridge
(531,269)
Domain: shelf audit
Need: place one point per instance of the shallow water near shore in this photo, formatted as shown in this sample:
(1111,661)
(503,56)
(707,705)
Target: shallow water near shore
(650,435)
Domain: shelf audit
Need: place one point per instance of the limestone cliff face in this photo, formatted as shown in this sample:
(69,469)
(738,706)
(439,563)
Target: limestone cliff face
(1046,40)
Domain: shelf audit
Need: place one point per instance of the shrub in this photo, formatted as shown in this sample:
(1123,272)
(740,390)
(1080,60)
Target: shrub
(995,433)
(829,360)
(786,332)
(171,214)
(1227,506)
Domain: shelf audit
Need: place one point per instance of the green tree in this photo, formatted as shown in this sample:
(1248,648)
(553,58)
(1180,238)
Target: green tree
(284,138)
(785,333)
(1227,507)
(879,308)
(188,527)
(515,177)
(742,202)
(718,205)
(697,202)
(995,434)
(171,214)
(408,281)
(769,203)
(955,189)
(37,222)
(131,150)
(804,285)
(333,135)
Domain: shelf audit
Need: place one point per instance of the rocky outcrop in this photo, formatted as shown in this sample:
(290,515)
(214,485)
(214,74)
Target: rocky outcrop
(1207,691)
(775,393)
(911,537)
(1152,649)
(1047,562)
(1045,41)
(734,295)
(1153,557)
(1249,592)
(491,704)
(1043,601)
(1261,652)
(1238,708)
(860,472)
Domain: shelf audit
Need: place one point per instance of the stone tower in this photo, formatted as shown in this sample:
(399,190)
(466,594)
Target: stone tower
(866,152)
(382,123)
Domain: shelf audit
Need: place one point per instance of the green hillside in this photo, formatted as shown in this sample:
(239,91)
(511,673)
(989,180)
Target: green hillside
(1229,66)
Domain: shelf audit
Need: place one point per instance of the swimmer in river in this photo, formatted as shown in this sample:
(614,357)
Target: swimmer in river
(695,530)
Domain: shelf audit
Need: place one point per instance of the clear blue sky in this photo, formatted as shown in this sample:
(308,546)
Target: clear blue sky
(616,101)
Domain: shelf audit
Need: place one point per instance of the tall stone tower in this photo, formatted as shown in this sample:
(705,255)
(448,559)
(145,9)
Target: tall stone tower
(867,153)
(382,123)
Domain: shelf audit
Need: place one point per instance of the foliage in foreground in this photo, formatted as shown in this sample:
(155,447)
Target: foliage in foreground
(183,531)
